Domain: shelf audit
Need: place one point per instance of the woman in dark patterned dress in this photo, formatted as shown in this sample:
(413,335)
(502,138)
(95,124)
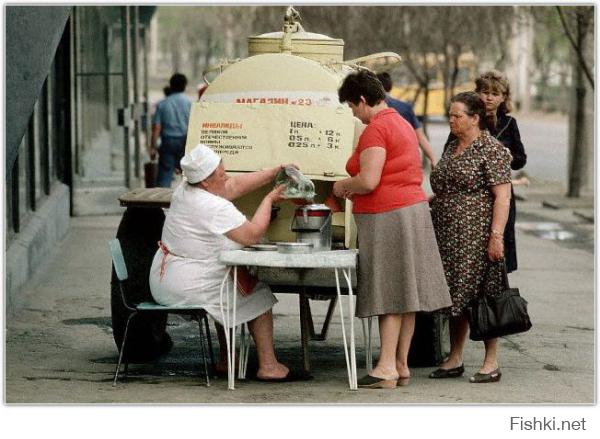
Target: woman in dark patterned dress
(470,209)
(494,91)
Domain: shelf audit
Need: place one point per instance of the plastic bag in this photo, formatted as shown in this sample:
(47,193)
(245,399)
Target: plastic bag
(297,185)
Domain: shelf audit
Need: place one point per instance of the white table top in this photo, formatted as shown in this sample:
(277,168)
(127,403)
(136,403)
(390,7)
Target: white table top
(323,259)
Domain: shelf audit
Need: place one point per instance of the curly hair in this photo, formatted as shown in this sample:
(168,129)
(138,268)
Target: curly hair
(495,81)
(362,83)
(473,106)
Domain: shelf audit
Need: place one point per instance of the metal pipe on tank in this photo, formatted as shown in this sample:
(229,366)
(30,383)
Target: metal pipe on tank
(286,40)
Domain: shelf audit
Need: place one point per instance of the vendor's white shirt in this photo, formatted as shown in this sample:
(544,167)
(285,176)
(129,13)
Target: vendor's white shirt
(194,232)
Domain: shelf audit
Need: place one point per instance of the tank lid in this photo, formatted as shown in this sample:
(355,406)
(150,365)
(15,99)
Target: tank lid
(301,35)
(294,40)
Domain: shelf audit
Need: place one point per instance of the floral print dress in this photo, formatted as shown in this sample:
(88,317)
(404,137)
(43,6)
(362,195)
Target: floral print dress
(462,216)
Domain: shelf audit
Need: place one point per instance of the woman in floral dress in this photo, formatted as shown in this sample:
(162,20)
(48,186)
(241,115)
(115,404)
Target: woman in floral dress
(469,210)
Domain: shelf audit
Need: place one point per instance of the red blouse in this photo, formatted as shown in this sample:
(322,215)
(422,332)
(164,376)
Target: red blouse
(401,176)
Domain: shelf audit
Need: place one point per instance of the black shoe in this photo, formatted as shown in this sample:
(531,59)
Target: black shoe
(492,377)
(455,372)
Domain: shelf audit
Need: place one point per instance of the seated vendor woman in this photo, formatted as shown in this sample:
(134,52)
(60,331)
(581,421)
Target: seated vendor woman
(201,222)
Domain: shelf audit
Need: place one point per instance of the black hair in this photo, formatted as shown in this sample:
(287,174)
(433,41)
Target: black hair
(167,90)
(178,82)
(473,106)
(362,83)
(386,80)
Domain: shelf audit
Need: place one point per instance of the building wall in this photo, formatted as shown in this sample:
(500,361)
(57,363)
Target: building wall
(32,36)
(73,157)
(108,72)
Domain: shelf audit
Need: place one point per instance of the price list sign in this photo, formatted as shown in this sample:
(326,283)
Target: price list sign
(251,137)
(310,135)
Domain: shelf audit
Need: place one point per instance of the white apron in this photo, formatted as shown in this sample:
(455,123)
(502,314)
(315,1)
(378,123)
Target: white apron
(194,234)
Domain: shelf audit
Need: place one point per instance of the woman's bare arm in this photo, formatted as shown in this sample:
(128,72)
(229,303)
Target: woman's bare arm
(501,207)
(371,165)
(241,184)
(252,231)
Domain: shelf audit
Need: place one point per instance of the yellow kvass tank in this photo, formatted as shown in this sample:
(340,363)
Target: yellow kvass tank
(280,105)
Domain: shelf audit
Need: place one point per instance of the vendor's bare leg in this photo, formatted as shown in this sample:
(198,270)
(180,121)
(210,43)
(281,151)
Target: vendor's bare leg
(407,330)
(389,331)
(261,329)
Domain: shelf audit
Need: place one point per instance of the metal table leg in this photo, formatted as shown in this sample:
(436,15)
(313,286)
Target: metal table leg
(232,367)
(367,339)
(354,384)
(227,322)
(350,357)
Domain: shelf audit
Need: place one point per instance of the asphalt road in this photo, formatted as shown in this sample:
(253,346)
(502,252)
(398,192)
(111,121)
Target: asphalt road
(545,139)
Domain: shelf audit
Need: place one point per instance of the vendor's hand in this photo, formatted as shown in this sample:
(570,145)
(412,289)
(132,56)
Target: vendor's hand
(283,166)
(276,195)
(496,248)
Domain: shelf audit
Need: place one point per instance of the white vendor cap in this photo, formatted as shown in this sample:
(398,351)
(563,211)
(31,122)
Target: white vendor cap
(199,163)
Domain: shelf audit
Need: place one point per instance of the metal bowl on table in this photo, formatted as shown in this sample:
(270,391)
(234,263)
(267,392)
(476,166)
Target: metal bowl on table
(294,247)
(261,248)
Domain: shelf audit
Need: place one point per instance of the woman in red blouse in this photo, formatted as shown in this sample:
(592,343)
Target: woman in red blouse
(400,271)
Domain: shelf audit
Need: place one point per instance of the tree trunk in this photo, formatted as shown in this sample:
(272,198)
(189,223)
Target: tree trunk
(208,50)
(229,37)
(416,96)
(425,103)
(578,150)
(175,56)
(451,86)
(196,71)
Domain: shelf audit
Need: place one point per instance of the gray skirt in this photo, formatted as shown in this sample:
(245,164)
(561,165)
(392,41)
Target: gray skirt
(399,266)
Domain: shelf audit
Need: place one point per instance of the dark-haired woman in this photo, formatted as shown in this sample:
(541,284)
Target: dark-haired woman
(494,90)
(400,270)
(470,209)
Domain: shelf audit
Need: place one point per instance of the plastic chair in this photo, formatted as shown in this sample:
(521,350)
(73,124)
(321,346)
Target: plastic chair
(195,312)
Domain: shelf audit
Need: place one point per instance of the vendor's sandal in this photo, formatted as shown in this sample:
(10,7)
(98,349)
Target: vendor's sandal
(292,375)
(455,372)
(492,377)
(371,382)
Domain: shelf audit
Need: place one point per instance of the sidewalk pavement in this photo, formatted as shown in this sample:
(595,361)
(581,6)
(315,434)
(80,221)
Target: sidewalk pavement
(59,348)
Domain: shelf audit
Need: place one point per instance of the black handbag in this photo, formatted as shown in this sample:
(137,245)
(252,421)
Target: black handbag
(499,315)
